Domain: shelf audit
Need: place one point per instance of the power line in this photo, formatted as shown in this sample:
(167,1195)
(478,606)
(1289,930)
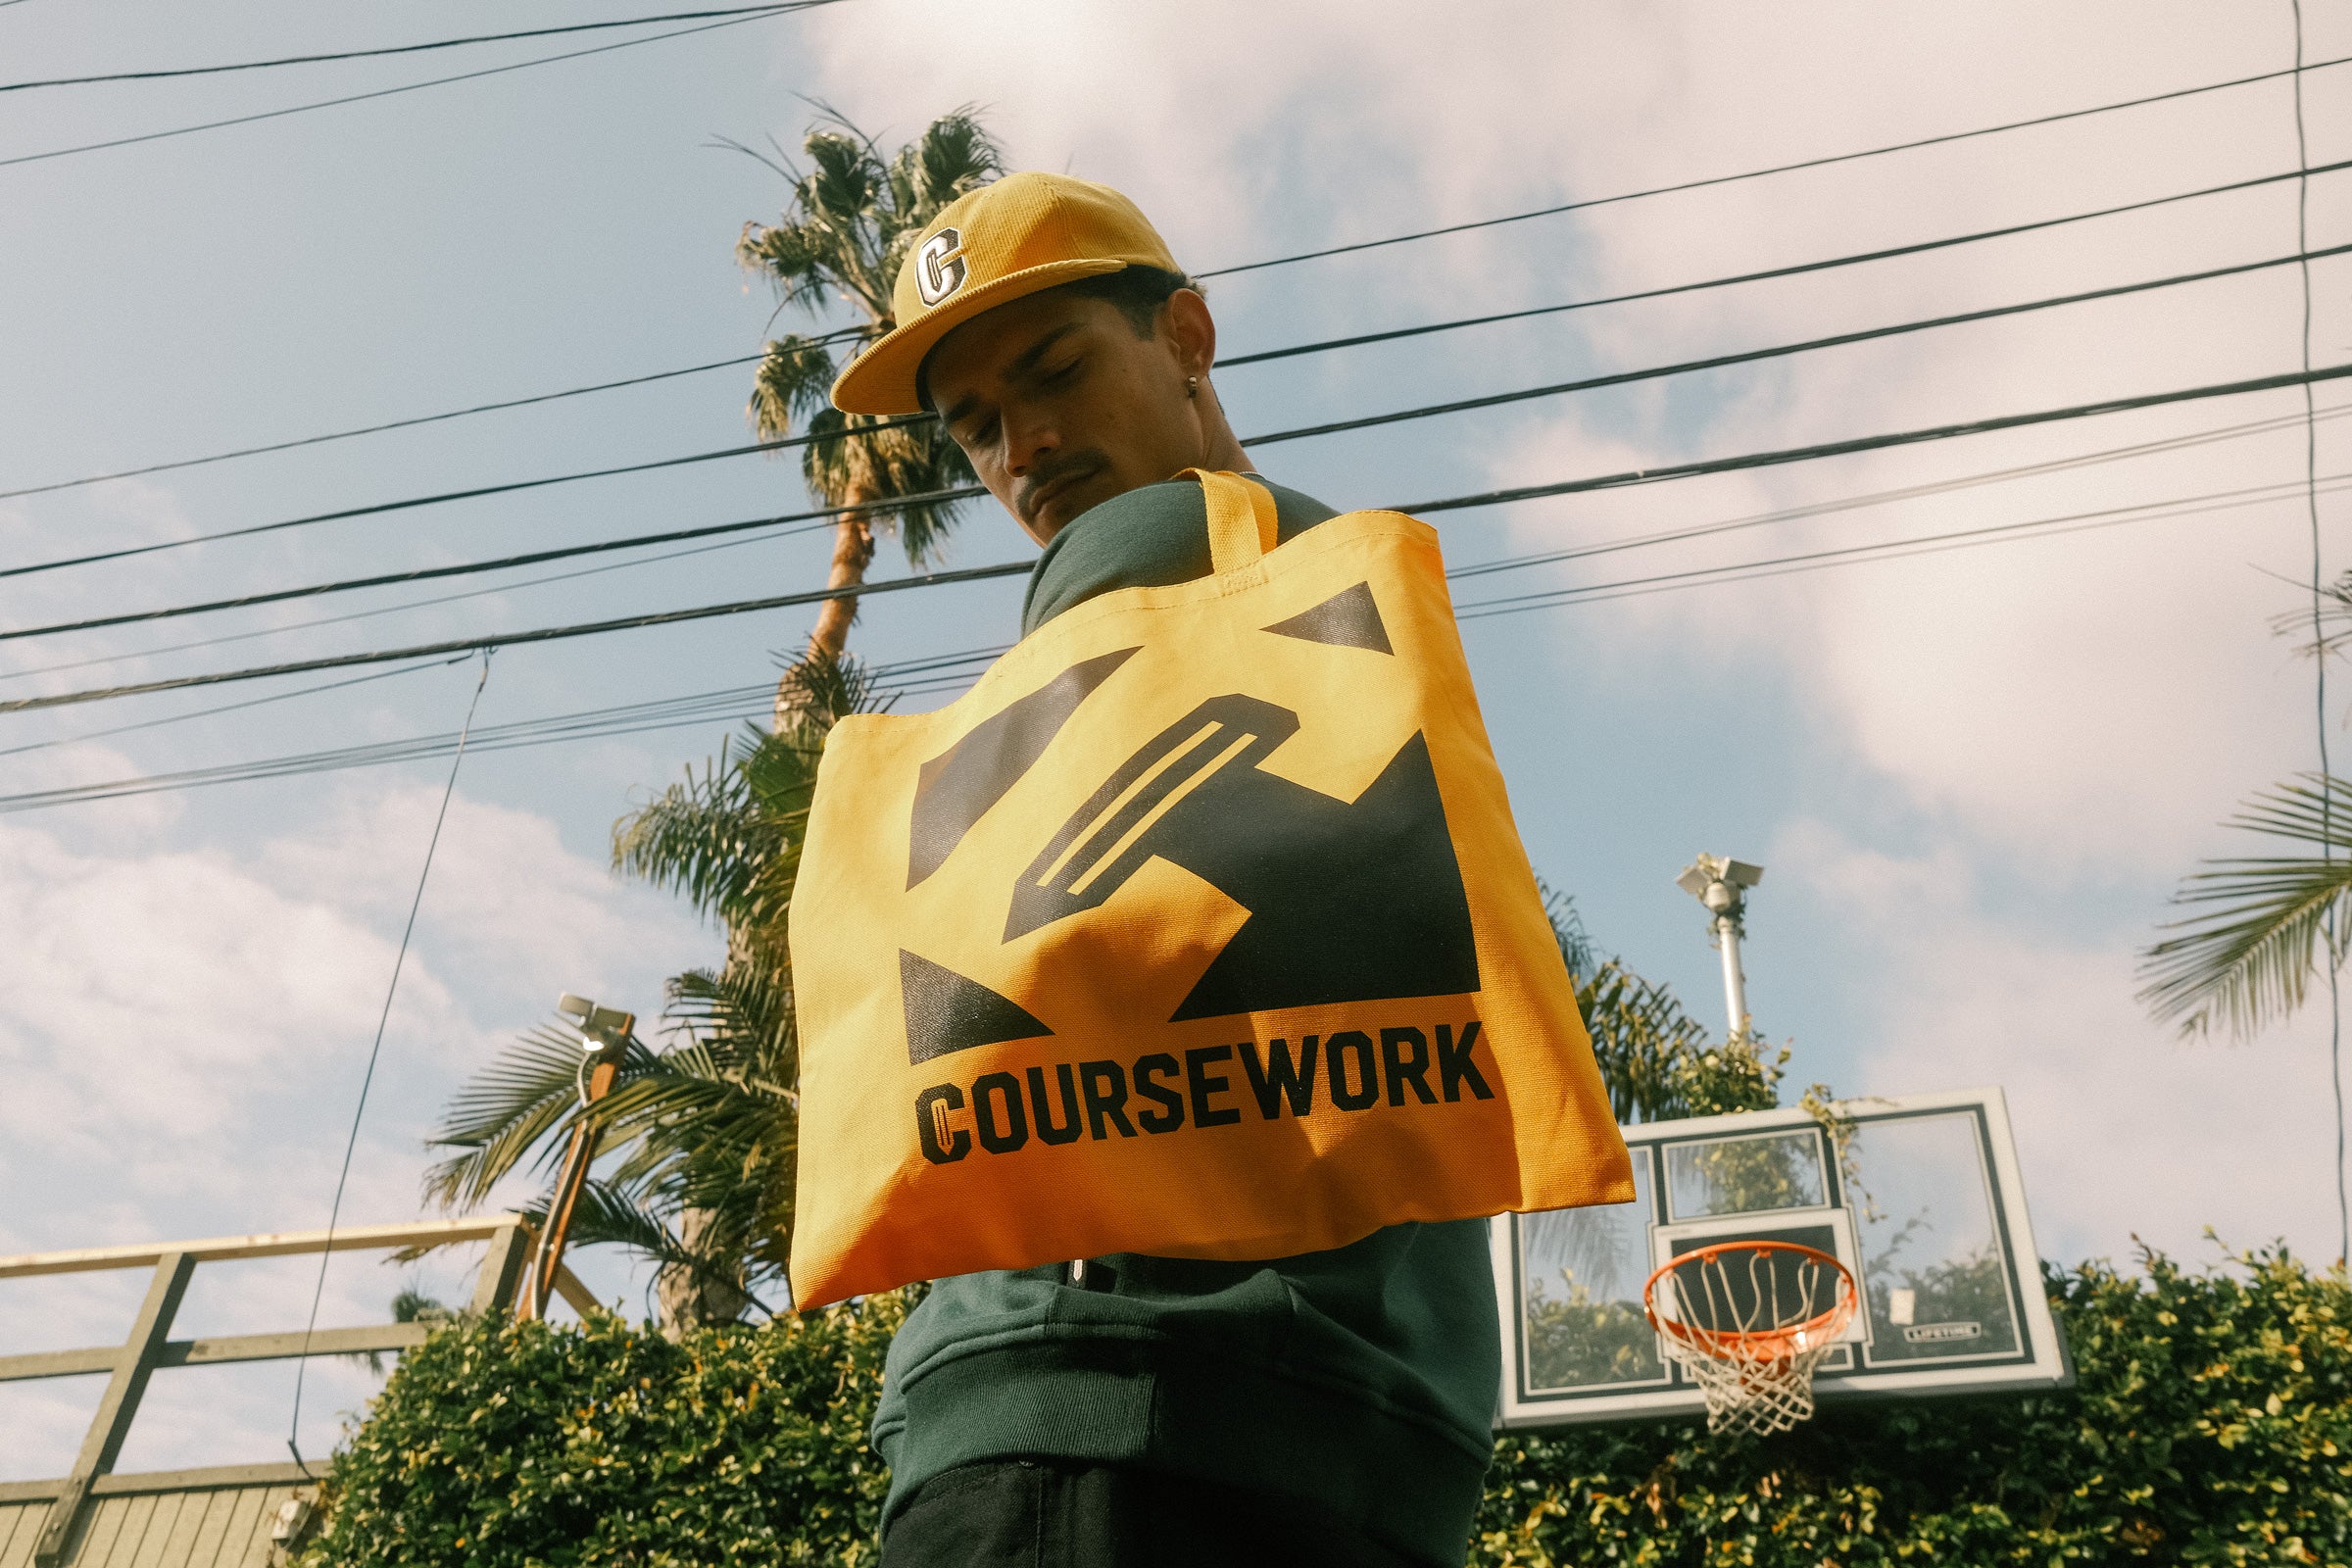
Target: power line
(368,1079)
(414,86)
(1637,477)
(394,49)
(2217,433)
(1779,351)
(953,670)
(941,497)
(1263,355)
(442,498)
(226,708)
(907,677)
(1797,269)
(377,430)
(2311,470)
(1868,443)
(666,617)
(1776,168)
(1894,549)
(1818,508)
(394,608)
(469,568)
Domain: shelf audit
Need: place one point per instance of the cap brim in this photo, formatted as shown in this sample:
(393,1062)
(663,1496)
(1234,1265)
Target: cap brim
(882,380)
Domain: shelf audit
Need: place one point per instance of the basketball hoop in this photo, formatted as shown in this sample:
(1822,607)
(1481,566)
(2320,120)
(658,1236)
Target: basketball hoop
(1750,1320)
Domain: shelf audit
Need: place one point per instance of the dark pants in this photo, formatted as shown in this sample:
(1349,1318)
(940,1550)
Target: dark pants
(1060,1514)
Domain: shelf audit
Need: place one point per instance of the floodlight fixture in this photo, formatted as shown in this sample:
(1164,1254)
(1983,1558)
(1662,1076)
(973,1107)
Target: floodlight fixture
(1721,884)
(601,1029)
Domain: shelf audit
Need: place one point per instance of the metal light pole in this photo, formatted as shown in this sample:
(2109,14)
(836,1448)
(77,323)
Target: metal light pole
(1722,885)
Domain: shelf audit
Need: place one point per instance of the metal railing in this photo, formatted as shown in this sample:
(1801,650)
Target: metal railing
(150,1349)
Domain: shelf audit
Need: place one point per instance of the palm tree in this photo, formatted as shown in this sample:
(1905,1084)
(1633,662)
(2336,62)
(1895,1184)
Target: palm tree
(1657,1060)
(706,1130)
(848,224)
(2245,958)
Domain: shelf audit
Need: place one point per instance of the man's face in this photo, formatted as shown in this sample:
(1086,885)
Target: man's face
(1061,405)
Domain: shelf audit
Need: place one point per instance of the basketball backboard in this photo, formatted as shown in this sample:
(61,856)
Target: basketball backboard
(1925,1207)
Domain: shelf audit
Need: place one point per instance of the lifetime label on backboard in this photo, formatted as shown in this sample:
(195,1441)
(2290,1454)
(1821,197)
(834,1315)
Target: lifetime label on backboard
(1923,1205)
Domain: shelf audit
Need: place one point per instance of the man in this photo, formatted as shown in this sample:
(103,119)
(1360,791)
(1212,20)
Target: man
(1327,1409)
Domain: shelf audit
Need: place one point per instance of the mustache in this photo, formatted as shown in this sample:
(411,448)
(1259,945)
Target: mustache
(1051,471)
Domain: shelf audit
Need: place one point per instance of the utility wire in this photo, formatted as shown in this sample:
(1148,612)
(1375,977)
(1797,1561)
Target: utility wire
(2319,665)
(1868,443)
(1708,530)
(463,568)
(666,617)
(378,507)
(1776,168)
(906,677)
(368,1079)
(943,497)
(225,708)
(1253,358)
(1896,548)
(953,671)
(377,430)
(1637,477)
(1778,351)
(414,86)
(394,49)
(1797,269)
(402,607)
(1324,346)
(2195,438)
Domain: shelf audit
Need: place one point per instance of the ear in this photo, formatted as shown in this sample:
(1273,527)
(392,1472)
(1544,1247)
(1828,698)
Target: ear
(1189,330)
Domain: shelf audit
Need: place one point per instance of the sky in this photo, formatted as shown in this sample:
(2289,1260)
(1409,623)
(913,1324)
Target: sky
(1975,777)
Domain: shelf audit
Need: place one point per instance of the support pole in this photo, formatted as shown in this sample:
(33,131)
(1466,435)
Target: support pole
(1721,884)
(1734,984)
(585,1135)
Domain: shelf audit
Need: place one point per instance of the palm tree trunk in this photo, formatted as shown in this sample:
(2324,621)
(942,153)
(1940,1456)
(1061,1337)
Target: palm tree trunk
(690,1300)
(852,553)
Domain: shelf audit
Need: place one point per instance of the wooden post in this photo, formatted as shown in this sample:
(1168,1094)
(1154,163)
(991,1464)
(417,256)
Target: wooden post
(136,1362)
(502,1267)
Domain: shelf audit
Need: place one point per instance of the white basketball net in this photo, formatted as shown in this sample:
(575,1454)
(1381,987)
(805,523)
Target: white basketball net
(1751,1322)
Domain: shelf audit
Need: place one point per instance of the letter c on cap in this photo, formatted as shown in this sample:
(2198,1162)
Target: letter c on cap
(939,266)
(942,1145)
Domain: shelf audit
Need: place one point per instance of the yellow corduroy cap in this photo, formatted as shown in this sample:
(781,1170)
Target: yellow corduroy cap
(1023,233)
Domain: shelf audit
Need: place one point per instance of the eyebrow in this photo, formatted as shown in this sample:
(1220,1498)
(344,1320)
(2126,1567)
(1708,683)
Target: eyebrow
(1021,365)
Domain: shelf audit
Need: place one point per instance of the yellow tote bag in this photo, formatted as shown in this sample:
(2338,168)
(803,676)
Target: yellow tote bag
(1197,929)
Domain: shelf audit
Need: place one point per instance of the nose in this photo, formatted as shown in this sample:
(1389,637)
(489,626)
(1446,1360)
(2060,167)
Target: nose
(1030,437)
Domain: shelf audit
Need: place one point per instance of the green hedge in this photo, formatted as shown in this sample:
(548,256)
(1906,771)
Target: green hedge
(2212,1424)
(498,1445)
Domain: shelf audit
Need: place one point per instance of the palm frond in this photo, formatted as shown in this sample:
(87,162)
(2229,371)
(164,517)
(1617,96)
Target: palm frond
(527,1099)
(2332,616)
(794,382)
(704,837)
(1642,1040)
(851,217)
(2247,957)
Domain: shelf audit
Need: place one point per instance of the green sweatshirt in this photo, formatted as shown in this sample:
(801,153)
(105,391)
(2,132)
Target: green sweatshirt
(1361,1379)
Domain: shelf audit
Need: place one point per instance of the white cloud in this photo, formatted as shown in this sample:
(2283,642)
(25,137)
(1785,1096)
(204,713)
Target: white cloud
(186,1026)
(2069,715)
(2122,1130)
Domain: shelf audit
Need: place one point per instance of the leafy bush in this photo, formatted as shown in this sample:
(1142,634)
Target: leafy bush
(499,1443)
(2212,1425)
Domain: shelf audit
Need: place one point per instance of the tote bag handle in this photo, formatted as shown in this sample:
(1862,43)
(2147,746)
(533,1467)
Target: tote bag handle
(1241,520)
